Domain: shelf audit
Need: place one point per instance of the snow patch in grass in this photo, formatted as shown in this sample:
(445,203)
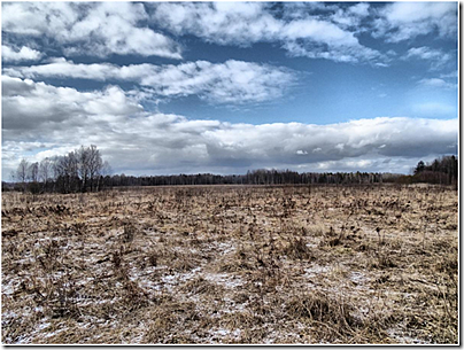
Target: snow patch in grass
(224,279)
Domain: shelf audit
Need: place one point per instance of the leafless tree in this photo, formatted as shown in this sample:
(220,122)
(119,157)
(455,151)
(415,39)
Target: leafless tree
(22,172)
(83,156)
(45,170)
(34,172)
(79,170)
(95,165)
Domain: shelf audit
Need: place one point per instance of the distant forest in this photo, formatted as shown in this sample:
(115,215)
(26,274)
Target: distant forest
(83,170)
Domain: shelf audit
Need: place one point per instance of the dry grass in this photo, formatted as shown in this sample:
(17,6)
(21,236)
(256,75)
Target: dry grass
(231,265)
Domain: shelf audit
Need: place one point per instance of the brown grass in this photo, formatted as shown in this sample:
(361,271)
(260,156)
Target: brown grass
(231,265)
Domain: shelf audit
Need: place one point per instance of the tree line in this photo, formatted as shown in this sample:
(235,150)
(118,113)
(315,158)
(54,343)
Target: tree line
(83,170)
(442,170)
(255,177)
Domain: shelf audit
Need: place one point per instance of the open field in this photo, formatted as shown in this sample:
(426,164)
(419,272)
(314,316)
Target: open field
(231,265)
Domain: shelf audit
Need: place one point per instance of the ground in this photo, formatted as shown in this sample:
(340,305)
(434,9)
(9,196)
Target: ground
(231,264)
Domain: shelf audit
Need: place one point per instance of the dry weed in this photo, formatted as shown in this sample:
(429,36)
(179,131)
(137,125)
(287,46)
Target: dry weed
(229,264)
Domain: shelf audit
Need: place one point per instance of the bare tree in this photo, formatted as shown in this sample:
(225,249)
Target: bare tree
(34,172)
(66,171)
(45,170)
(79,170)
(95,165)
(83,156)
(59,170)
(22,173)
(72,170)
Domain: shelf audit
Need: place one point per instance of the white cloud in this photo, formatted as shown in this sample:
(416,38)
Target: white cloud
(89,29)
(382,164)
(425,53)
(338,54)
(361,9)
(29,106)
(449,75)
(228,82)
(222,22)
(437,58)
(245,23)
(351,16)
(24,54)
(134,141)
(436,83)
(401,21)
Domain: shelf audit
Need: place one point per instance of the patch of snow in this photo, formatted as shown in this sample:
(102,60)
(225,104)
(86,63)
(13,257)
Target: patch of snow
(221,331)
(51,334)
(8,289)
(357,277)
(216,335)
(225,248)
(224,279)
(315,269)
(311,245)
(231,306)
(404,339)
(7,316)
(44,325)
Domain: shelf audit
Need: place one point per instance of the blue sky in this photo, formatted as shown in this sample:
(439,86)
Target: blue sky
(166,88)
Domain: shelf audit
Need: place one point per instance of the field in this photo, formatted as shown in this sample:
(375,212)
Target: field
(321,264)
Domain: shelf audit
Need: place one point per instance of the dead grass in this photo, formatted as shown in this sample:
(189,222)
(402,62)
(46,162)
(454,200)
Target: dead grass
(235,265)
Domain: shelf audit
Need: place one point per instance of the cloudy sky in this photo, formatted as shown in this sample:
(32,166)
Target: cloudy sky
(166,88)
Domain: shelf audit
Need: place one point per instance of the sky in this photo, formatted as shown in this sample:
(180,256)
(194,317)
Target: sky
(226,87)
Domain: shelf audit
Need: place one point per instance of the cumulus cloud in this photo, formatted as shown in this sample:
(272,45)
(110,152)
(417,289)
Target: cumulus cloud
(137,142)
(437,58)
(244,24)
(228,82)
(315,30)
(28,106)
(361,9)
(401,21)
(351,16)
(90,29)
(23,54)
